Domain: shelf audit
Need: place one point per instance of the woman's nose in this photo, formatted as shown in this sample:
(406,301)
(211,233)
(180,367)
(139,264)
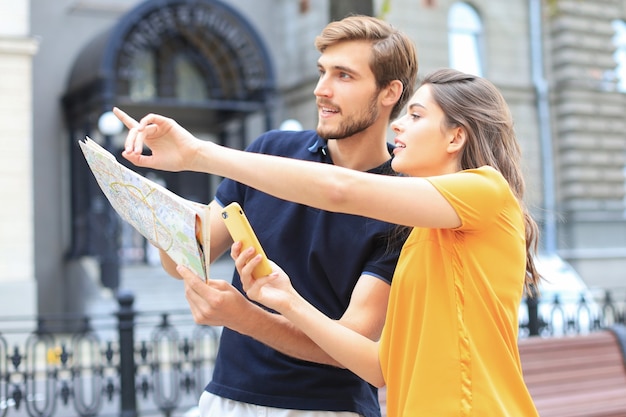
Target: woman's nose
(395,125)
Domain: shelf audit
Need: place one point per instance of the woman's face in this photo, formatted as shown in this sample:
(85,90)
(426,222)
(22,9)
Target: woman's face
(423,142)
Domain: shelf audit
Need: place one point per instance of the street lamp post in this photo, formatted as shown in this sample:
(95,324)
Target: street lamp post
(109,125)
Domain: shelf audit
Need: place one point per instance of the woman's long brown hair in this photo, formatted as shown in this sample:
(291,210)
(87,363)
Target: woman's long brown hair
(475,104)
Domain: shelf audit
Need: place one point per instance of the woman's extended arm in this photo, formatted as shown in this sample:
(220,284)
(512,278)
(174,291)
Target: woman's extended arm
(400,200)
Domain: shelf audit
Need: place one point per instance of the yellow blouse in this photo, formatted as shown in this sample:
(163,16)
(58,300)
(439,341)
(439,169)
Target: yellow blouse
(449,346)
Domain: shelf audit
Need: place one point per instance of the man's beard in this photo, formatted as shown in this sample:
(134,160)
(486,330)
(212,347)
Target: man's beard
(355,125)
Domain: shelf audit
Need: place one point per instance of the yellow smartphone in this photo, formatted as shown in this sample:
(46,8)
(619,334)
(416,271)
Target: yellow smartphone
(241,231)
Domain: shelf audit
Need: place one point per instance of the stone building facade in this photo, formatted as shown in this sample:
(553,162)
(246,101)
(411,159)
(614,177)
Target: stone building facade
(17,262)
(60,69)
(588,135)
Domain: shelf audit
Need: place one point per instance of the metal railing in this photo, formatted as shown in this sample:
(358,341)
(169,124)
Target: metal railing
(124,364)
(551,316)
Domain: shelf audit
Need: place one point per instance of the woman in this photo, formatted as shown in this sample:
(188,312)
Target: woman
(449,345)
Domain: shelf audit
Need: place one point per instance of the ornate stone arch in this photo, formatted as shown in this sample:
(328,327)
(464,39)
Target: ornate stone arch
(141,65)
(215,39)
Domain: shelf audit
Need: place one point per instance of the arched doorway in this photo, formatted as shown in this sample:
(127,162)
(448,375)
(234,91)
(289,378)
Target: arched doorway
(198,61)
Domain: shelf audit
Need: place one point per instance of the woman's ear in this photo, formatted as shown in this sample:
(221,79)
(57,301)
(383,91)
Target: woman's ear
(457,139)
(392,93)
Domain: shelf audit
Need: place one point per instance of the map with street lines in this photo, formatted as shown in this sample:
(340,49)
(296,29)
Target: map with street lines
(166,220)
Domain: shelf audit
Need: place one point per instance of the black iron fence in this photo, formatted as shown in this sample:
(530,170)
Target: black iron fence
(131,363)
(126,364)
(556,314)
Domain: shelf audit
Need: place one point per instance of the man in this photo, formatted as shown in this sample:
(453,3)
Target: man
(342,264)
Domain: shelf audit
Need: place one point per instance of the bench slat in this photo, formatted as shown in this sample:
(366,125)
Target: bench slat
(608,403)
(575,376)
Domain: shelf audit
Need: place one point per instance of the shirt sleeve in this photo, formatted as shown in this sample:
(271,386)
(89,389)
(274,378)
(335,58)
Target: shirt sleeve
(477,195)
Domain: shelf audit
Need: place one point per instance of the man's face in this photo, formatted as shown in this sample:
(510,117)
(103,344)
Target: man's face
(347,97)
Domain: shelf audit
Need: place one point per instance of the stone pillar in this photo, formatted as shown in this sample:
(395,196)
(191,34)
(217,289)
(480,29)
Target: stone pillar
(18,289)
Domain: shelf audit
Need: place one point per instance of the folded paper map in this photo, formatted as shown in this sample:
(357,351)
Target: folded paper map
(168,221)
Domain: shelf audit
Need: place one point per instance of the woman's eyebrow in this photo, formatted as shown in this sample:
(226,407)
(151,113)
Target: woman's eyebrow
(412,106)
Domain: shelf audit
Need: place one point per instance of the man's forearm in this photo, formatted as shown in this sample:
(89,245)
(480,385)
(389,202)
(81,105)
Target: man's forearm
(280,334)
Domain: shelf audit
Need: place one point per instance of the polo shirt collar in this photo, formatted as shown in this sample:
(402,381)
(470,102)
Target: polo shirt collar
(320,145)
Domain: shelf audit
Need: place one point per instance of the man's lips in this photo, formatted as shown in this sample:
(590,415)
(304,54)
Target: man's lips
(327,108)
(327,112)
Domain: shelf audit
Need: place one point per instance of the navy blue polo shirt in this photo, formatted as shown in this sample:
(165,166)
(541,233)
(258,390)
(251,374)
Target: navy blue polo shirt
(324,254)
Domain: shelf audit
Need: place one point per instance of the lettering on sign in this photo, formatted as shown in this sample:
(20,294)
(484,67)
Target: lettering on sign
(202,24)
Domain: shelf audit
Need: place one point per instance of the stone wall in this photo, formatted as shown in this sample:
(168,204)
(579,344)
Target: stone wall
(17,281)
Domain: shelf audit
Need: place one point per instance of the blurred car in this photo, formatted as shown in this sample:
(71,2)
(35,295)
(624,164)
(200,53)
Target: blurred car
(566,305)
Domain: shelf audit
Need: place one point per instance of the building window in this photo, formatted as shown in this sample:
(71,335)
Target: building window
(619,40)
(465,32)
(166,73)
(190,86)
(142,77)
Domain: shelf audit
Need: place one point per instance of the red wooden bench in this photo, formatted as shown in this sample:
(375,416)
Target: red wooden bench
(573,376)
(576,376)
